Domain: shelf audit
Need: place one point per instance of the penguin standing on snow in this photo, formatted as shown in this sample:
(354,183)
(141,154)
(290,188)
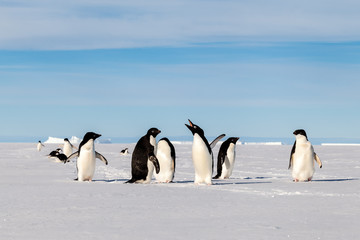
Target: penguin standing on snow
(68,147)
(165,153)
(302,158)
(144,158)
(86,157)
(202,154)
(39,146)
(226,158)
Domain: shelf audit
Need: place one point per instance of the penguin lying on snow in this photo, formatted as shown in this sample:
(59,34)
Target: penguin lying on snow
(54,153)
(202,154)
(302,158)
(124,151)
(165,154)
(86,154)
(144,158)
(60,157)
(226,158)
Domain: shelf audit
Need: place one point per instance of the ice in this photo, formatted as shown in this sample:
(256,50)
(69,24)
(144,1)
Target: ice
(73,140)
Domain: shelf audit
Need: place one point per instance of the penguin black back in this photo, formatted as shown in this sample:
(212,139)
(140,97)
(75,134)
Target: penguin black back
(142,152)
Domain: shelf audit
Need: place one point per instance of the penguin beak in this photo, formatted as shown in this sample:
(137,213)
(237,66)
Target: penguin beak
(190,127)
(191,124)
(96,135)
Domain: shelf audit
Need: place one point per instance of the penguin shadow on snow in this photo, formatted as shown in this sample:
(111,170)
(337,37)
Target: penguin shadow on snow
(335,180)
(222,183)
(110,180)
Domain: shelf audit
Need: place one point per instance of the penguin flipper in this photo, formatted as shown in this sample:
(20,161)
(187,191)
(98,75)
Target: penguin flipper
(317,159)
(155,161)
(75,154)
(101,157)
(214,142)
(291,155)
(221,160)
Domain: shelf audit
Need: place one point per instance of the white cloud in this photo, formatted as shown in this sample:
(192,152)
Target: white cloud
(139,23)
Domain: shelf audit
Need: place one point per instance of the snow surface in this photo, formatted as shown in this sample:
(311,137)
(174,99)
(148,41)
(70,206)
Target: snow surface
(40,200)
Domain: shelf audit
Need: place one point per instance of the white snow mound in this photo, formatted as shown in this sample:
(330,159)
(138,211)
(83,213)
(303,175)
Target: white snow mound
(73,140)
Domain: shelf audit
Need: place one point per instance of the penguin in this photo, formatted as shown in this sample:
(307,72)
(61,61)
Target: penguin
(144,158)
(39,146)
(165,154)
(54,153)
(86,155)
(68,147)
(302,158)
(202,155)
(58,155)
(226,158)
(61,158)
(124,151)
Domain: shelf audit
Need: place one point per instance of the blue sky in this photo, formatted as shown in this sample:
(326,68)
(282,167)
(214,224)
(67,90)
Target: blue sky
(244,68)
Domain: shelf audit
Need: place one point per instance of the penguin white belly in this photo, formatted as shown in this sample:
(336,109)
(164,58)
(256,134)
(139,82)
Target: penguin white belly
(303,162)
(163,155)
(202,160)
(67,149)
(86,165)
(39,146)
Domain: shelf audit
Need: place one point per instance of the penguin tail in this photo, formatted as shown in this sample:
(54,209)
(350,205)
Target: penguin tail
(216,177)
(130,181)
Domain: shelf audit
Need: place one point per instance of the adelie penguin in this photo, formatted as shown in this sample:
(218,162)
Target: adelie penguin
(144,158)
(124,151)
(226,158)
(68,147)
(54,153)
(39,146)
(202,155)
(86,154)
(302,158)
(165,154)
(60,157)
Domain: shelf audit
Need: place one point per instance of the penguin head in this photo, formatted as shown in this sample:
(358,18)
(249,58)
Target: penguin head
(300,132)
(66,140)
(87,137)
(153,132)
(195,128)
(90,135)
(233,139)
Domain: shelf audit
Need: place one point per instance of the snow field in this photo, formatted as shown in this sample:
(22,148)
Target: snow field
(40,200)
